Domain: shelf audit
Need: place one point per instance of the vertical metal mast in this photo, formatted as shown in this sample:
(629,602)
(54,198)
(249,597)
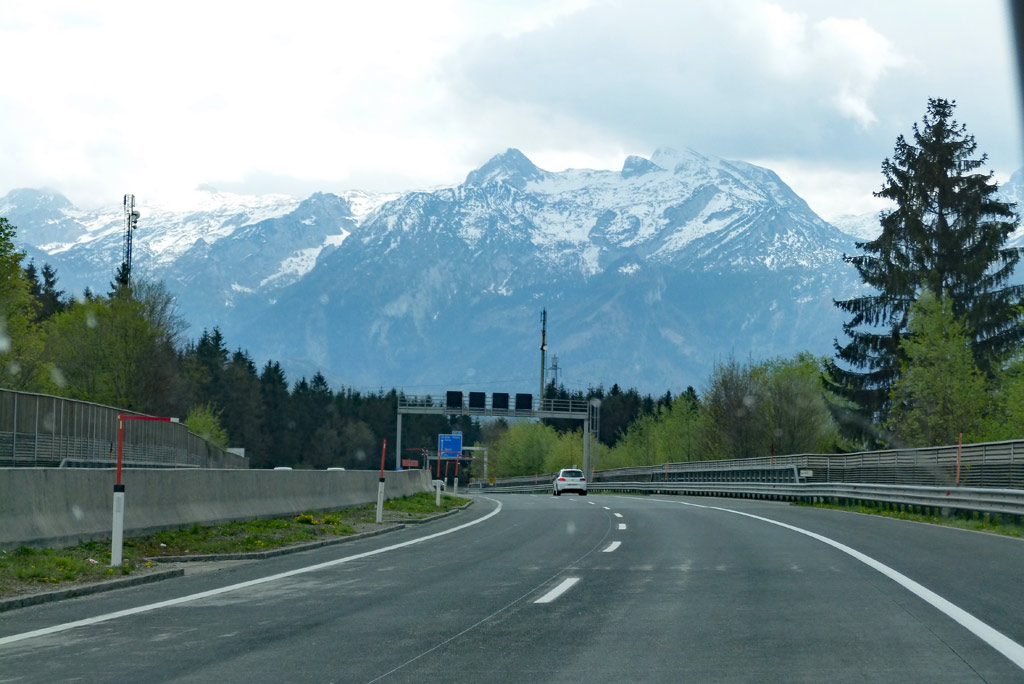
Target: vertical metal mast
(543,350)
(131,220)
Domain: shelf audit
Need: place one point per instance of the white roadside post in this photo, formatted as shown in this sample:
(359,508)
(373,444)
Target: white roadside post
(380,485)
(437,491)
(117,525)
(117,528)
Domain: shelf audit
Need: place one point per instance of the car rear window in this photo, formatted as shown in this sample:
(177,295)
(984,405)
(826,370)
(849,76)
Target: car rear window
(572,473)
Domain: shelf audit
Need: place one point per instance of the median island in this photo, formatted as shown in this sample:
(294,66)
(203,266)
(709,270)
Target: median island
(26,570)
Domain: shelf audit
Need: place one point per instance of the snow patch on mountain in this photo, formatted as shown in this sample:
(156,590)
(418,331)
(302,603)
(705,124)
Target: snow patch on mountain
(365,203)
(864,227)
(302,262)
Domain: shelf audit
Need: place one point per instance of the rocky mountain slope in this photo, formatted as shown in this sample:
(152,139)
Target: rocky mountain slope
(650,274)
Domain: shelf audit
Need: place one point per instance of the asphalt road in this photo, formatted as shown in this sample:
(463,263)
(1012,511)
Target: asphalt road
(535,588)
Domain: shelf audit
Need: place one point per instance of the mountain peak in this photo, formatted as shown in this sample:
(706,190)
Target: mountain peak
(672,159)
(511,167)
(31,199)
(638,166)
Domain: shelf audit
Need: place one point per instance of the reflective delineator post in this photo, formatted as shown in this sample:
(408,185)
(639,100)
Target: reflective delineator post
(380,484)
(437,489)
(117,530)
(117,526)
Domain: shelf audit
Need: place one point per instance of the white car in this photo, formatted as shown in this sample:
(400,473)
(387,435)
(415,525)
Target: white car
(437,483)
(570,480)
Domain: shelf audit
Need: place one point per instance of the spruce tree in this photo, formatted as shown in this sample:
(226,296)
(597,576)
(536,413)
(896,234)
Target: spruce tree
(941,393)
(947,232)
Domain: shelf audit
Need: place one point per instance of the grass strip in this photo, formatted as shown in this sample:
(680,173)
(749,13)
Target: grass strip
(965,520)
(26,570)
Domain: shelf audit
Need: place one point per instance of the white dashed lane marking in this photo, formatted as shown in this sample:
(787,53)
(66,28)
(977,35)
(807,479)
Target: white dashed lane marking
(562,587)
(611,547)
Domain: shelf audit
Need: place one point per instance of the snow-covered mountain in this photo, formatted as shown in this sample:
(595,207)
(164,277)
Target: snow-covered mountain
(650,274)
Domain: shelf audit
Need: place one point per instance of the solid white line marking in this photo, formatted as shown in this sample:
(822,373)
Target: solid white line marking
(622,526)
(618,515)
(234,587)
(611,547)
(562,587)
(994,638)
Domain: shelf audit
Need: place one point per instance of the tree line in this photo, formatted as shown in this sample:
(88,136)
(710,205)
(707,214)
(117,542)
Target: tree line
(127,349)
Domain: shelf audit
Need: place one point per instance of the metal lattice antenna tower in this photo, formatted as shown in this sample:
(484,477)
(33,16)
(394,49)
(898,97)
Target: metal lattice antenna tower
(554,368)
(543,349)
(131,221)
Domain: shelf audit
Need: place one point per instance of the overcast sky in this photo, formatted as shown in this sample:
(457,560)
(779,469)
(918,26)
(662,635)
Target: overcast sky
(102,98)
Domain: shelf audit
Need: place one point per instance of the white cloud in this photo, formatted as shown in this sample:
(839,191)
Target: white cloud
(110,97)
(830,191)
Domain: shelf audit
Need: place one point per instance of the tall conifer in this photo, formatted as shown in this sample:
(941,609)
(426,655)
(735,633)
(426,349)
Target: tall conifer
(947,232)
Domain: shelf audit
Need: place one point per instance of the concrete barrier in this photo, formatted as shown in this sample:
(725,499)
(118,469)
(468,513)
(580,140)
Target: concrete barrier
(60,507)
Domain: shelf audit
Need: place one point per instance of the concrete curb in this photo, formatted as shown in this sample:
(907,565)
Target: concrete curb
(110,585)
(86,589)
(453,511)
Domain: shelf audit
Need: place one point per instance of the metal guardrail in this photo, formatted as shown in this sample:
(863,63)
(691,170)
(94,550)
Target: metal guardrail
(988,464)
(939,499)
(38,430)
(986,477)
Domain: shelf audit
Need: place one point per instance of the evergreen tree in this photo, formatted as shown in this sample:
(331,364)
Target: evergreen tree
(275,427)
(941,393)
(205,369)
(49,301)
(244,411)
(947,232)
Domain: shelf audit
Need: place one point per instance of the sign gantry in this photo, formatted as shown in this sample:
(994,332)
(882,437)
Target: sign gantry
(504,405)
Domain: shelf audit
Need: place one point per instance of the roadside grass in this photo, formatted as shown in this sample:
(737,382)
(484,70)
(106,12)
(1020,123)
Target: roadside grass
(26,570)
(978,522)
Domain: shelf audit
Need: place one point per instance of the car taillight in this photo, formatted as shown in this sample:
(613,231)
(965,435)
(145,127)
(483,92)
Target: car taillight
(561,479)
(582,479)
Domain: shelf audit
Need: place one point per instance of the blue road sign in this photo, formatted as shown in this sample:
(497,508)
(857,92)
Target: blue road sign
(449,446)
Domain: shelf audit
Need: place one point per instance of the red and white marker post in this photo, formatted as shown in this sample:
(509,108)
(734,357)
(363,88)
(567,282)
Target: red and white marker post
(117,527)
(380,484)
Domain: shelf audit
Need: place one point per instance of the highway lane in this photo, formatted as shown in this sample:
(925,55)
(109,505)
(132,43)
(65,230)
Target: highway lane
(690,593)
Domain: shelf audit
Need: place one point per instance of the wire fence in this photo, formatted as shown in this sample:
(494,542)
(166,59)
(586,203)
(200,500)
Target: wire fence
(989,464)
(38,430)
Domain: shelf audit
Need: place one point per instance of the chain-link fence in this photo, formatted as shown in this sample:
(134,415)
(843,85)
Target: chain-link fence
(45,431)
